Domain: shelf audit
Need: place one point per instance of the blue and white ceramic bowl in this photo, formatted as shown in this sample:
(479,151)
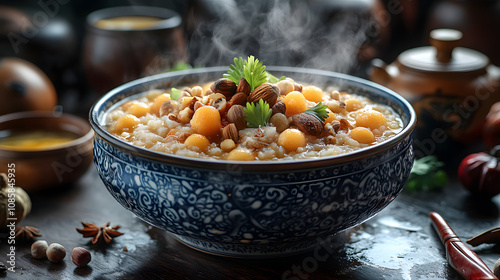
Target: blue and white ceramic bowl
(253,209)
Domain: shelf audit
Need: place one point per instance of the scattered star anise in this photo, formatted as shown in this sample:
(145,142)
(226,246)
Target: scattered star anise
(97,233)
(26,233)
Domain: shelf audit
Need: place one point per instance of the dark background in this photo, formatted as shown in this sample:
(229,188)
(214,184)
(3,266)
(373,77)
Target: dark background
(342,36)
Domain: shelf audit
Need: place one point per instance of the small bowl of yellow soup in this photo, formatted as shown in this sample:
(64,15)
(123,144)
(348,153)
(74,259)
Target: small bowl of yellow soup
(43,149)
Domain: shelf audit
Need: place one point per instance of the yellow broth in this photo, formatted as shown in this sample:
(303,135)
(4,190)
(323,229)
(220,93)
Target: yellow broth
(36,140)
(128,23)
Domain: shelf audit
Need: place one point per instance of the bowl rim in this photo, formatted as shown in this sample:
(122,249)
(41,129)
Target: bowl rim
(172,19)
(78,142)
(269,166)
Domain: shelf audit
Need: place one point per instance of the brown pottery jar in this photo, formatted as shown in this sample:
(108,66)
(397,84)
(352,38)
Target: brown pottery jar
(451,89)
(115,55)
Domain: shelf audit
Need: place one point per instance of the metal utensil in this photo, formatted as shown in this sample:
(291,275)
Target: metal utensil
(459,256)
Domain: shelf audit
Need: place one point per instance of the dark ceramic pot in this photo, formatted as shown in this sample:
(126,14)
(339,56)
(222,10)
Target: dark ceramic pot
(451,88)
(113,56)
(253,209)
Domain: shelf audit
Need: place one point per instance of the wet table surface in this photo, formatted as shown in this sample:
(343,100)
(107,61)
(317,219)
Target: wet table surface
(398,243)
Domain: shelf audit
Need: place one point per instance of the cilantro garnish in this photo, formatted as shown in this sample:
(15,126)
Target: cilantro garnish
(255,72)
(175,94)
(235,72)
(319,111)
(257,114)
(273,80)
(252,70)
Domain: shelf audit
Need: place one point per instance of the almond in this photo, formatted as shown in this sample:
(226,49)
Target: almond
(236,115)
(243,86)
(308,124)
(230,132)
(239,98)
(224,86)
(267,92)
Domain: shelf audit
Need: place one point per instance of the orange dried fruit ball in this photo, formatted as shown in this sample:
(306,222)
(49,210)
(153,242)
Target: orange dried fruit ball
(291,139)
(240,154)
(295,103)
(331,116)
(155,107)
(197,142)
(206,121)
(312,93)
(138,109)
(126,123)
(362,135)
(371,119)
(353,104)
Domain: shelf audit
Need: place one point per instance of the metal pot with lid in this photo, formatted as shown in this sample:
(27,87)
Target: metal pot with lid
(451,88)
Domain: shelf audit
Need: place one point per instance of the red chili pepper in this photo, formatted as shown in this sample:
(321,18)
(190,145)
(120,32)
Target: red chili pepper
(480,173)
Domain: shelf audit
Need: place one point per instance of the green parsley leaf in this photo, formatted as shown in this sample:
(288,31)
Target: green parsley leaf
(426,175)
(319,111)
(175,94)
(272,79)
(252,70)
(235,72)
(255,72)
(257,115)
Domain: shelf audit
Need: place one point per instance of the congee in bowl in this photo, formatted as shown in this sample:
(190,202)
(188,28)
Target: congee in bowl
(278,119)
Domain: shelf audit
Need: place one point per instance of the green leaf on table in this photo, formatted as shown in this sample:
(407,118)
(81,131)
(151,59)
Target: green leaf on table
(426,175)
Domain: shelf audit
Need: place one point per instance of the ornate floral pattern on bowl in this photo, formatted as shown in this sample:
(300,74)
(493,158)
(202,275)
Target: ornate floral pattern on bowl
(260,208)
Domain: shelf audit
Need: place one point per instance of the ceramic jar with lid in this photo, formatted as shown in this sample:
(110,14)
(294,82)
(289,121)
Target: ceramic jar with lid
(451,88)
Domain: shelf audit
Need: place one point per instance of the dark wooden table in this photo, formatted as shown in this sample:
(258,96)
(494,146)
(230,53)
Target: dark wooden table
(399,243)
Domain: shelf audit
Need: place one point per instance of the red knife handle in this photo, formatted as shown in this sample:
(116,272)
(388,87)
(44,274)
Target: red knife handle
(459,256)
(466,262)
(441,226)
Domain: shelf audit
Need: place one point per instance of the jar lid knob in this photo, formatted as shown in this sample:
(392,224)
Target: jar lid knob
(445,40)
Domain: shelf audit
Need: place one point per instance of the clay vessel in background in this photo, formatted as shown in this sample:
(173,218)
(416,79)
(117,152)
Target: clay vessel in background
(24,87)
(115,56)
(451,88)
(478,20)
